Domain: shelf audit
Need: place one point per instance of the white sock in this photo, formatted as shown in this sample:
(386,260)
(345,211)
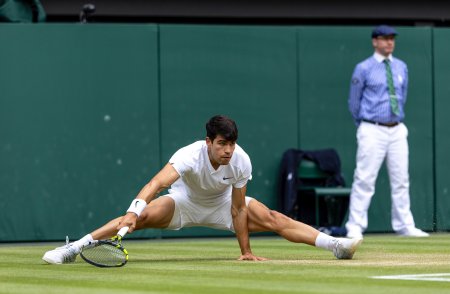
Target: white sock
(86,240)
(325,241)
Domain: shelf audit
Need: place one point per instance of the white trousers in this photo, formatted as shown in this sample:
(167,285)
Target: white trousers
(376,144)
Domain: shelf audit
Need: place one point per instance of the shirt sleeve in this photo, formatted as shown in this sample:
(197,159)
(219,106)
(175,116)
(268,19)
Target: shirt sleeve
(356,90)
(181,161)
(246,174)
(405,85)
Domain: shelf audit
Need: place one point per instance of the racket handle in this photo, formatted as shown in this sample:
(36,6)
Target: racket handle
(122,231)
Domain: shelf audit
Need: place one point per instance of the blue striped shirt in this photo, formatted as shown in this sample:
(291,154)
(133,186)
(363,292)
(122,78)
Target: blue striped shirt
(369,93)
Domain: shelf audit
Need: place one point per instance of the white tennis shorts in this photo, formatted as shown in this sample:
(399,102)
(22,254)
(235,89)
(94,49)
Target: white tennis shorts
(192,214)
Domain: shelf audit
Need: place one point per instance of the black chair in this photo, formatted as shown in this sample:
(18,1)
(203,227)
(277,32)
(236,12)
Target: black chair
(330,203)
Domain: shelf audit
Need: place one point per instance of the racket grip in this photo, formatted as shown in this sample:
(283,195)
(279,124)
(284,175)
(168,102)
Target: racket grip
(122,232)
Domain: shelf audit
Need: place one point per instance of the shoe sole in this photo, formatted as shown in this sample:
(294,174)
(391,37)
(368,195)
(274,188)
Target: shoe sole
(49,261)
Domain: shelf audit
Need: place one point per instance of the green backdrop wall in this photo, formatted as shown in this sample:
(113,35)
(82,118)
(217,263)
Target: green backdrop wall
(441,122)
(79,115)
(89,113)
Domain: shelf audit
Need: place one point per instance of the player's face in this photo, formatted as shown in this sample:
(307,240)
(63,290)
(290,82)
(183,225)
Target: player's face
(220,151)
(384,45)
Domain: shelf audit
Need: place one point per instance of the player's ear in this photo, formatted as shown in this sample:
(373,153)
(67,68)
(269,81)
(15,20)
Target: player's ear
(208,141)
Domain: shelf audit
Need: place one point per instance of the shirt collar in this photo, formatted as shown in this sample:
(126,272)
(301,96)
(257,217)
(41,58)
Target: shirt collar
(380,57)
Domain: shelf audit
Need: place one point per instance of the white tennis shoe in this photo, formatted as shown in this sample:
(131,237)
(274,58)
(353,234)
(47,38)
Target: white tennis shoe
(413,232)
(345,248)
(64,254)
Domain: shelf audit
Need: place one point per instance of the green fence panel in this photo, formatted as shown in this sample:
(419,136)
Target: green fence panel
(245,72)
(78,125)
(327,56)
(89,113)
(442,121)
(414,46)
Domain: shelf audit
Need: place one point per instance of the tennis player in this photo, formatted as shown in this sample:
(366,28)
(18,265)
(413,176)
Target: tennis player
(208,182)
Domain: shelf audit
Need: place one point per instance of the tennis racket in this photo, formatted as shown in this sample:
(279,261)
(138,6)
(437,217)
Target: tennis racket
(107,253)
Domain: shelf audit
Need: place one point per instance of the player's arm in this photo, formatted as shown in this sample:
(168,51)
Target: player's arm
(239,212)
(162,180)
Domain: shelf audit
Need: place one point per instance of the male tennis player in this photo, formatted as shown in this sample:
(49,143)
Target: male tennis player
(208,182)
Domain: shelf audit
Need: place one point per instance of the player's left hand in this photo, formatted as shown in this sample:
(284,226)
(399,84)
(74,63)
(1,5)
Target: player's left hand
(251,257)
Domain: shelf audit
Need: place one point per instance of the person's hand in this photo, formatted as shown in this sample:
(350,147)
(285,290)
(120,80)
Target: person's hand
(251,257)
(128,220)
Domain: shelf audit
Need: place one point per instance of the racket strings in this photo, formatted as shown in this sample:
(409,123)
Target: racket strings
(106,254)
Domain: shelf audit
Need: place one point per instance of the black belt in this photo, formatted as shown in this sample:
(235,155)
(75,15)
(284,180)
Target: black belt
(390,125)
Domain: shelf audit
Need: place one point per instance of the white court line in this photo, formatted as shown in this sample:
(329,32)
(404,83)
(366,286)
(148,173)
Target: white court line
(444,277)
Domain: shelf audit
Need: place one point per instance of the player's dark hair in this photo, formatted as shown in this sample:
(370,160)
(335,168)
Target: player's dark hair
(221,125)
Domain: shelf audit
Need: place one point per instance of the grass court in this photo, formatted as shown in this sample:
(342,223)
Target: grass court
(210,266)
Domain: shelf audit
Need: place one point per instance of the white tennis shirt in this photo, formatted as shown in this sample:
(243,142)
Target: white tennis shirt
(201,182)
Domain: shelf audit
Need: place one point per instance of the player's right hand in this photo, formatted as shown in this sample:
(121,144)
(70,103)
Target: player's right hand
(251,257)
(128,220)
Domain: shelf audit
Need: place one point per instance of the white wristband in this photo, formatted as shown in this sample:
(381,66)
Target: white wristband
(137,206)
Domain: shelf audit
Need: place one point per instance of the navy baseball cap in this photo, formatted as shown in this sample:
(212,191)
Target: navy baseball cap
(383,30)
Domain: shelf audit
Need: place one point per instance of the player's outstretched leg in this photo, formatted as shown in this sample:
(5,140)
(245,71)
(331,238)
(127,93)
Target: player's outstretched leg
(262,219)
(157,214)
(69,252)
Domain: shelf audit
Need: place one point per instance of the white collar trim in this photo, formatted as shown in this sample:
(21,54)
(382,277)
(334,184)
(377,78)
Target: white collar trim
(380,57)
